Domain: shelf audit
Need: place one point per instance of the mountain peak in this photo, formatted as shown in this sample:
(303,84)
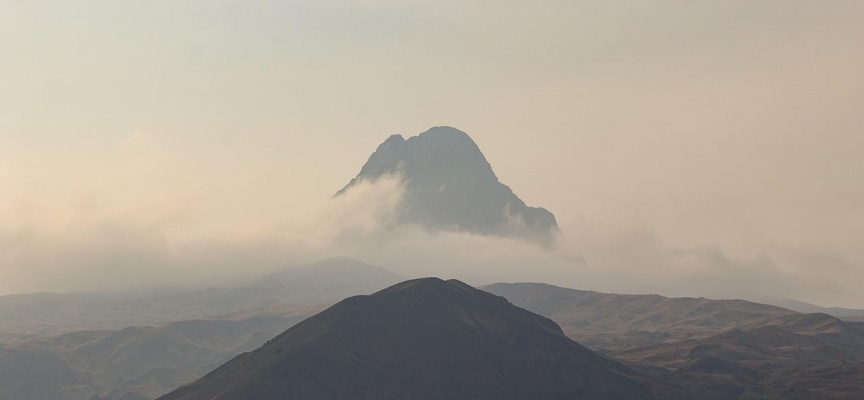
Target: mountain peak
(421,339)
(449,185)
(393,140)
(447,133)
(439,288)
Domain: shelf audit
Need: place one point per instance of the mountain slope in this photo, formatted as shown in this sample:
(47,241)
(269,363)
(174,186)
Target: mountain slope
(146,361)
(449,185)
(799,356)
(325,281)
(422,339)
(850,314)
(23,375)
(149,361)
(604,320)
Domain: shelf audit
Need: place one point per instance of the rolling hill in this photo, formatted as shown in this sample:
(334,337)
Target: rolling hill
(799,356)
(149,360)
(325,281)
(423,339)
(616,321)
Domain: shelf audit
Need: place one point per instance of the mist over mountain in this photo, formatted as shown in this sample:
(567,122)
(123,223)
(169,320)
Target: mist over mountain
(808,308)
(449,185)
(134,362)
(675,210)
(72,347)
(322,282)
(711,349)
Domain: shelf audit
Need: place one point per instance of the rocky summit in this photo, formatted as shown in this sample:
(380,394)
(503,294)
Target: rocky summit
(449,185)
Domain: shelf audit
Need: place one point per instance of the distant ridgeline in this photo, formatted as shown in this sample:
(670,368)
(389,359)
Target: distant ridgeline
(449,185)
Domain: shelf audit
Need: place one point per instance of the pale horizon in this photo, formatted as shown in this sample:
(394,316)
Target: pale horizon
(685,148)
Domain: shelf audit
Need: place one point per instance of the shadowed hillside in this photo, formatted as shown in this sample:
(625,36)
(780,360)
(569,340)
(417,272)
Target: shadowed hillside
(799,356)
(423,339)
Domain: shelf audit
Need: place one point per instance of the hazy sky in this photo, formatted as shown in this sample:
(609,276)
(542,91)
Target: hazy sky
(700,143)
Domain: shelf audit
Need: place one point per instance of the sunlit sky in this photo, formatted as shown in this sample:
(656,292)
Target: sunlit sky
(727,125)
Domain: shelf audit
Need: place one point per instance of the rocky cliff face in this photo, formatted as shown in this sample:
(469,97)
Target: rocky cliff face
(449,185)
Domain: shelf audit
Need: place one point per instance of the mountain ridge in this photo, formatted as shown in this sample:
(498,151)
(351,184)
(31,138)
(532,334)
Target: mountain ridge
(605,320)
(423,339)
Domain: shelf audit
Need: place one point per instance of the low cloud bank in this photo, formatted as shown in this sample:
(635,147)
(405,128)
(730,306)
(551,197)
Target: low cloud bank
(115,252)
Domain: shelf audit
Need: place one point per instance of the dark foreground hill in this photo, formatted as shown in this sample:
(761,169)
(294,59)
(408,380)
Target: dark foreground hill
(449,185)
(423,339)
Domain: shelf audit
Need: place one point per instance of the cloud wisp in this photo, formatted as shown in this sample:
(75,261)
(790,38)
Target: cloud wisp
(101,252)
